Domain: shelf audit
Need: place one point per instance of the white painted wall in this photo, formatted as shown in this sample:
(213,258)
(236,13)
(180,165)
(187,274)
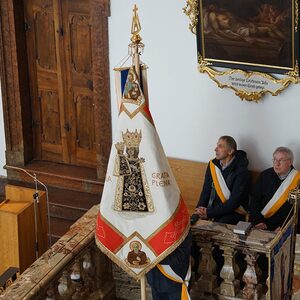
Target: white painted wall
(189,110)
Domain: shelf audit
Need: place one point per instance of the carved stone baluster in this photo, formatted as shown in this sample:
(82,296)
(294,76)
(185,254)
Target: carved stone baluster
(262,272)
(87,263)
(65,287)
(78,295)
(50,294)
(207,267)
(77,279)
(265,285)
(76,271)
(88,271)
(230,285)
(252,289)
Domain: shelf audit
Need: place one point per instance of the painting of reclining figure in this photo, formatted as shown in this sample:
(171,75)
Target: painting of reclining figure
(249,34)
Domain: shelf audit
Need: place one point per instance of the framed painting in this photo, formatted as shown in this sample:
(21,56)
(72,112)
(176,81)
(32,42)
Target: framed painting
(252,38)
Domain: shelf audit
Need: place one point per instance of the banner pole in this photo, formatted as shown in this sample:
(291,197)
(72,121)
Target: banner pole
(143,288)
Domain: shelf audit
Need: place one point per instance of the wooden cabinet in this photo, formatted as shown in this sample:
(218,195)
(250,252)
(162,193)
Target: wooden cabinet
(55,83)
(17,228)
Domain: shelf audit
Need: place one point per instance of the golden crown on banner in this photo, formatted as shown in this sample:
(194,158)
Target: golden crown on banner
(132,139)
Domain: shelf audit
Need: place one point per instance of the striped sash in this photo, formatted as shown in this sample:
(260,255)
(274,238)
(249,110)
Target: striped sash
(220,185)
(281,195)
(169,273)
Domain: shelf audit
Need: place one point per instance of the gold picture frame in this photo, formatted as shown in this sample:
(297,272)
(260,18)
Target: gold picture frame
(242,48)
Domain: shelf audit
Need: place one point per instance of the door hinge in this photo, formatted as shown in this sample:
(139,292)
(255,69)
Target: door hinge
(35,124)
(26,26)
(60,31)
(90,85)
(67,126)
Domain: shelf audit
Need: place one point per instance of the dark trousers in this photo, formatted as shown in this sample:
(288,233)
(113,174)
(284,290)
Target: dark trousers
(165,296)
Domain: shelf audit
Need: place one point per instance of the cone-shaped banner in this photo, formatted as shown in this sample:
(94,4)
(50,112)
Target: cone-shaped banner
(142,216)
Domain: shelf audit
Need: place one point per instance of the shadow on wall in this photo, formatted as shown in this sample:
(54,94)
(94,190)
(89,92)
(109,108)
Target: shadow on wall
(250,146)
(295,147)
(254,154)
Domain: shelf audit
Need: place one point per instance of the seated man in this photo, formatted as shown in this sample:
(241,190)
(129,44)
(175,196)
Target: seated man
(269,208)
(224,196)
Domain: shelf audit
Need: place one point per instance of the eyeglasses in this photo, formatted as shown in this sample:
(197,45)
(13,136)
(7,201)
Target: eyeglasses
(279,161)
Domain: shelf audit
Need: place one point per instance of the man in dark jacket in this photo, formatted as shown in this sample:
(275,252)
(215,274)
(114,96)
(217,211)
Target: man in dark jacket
(225,193)
(269,208)
(164,288)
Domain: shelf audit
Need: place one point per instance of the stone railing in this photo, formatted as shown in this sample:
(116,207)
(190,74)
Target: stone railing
(73,268)
(230,265)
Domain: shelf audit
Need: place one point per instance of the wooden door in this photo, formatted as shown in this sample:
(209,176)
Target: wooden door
(58,35)
(78,51)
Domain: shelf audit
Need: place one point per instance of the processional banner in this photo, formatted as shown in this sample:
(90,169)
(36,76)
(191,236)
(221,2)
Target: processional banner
(142,216)
(281,264)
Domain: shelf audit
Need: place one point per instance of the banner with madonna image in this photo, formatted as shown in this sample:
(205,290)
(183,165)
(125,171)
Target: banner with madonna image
(142,216)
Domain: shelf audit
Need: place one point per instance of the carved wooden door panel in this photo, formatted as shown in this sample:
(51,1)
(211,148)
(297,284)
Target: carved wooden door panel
(58,34)
(48,111)
(76,23)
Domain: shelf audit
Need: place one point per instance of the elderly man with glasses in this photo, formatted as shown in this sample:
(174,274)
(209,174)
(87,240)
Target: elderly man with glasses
(269,206)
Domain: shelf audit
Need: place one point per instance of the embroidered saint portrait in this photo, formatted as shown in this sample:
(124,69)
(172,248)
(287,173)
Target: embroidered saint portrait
(136,257)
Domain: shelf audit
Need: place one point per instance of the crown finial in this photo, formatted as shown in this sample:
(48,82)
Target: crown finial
(135,48)
(135,27)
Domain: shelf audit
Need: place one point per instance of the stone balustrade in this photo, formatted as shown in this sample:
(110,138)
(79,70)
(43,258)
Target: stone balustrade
(73,268)
(230,265)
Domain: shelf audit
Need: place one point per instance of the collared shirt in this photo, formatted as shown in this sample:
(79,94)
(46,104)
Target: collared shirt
(226,165)
(282,177)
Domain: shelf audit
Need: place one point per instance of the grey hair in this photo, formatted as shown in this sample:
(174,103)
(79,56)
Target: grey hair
(285,150)
(230,142)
